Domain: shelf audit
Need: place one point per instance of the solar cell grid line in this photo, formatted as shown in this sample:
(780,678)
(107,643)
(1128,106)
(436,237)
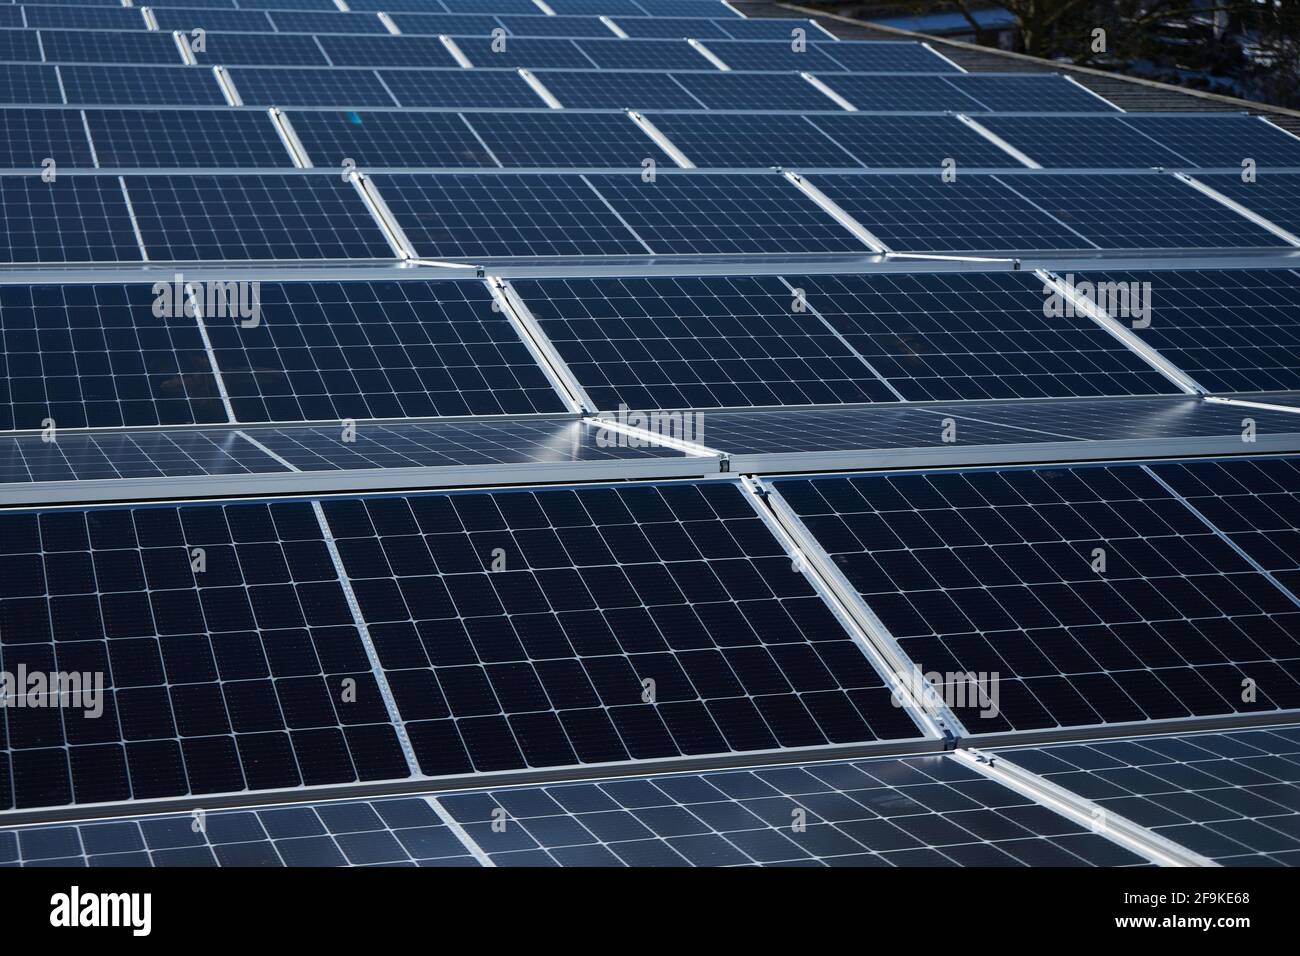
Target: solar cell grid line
(913,811)
(688,8)
(670,28)
(910,141)
(139,86)
(530,52)
(541,664)
(387,51)
(1274,196)
(613,89)
(616,53)
(397,139)
(706,213)
(96,355)
(313,87)
(877,57)
(946,336)
(389,832)
(403,6)
(177,139)
(561,26)
(1230,796)
(572,139)
(1013,93)
(992,573)
(770,56)
(708,342)
(463,215)
(610,8)
(28,84)
(187,19)
(1220,141)
(450,24)
(114,455)
(900,94)
(247,49)
(311,21)
(20,46)
(322,6)
(753,91)
(29,137)
(1140,210)
(773,28)
(921,213)
(221,681)
(73,219)
(366,350)
(106,46)
(461,89)
(1076,142)
(522,7)
(11,16)
(94,18)
(738,141)
(1230,330)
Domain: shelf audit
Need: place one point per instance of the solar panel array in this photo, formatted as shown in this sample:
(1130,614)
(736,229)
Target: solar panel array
(747,447)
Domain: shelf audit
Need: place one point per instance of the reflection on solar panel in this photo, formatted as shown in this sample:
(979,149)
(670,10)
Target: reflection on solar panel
(714,213)
(1229,796)
(215,682)
(753,91)
(609,89)
(20,83)
(140,86)
(941,336)
(1276,196)
(996,573)
(377,350)
(751,140)
(95,355)
(307,87)
(1230,330)
(484,89)
(915,141)
(644,55)
(566,139)
(254,217)
(386,51)
(449,217)
(390,139)
(527,52)
(919,811)
(696,343)
(92,46)
(542,663)
(243,49)
(162,139)
(27,137)
(73,219)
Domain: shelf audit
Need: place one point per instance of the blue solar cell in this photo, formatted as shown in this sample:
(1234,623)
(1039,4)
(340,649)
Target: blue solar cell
(200,139)
(767,28)
(671,27)
(254,217)
(557,138)
(544,26)
(309,21)
(330,351)
(1078,142)
(696,343)
(74,18)
(686,8)
(29,137)
(526,7)
(96,355)
(644,54)
(468,216)
(140,86)
(387,51)
(1020,93)
(877,57)
(754,91)
(610,8)
(468,89)
(101,46)
(901,94)
(529,52)
(770,56)
(1214,140)
(21,84)
(242,49)
(751,140)
(705,213)
(308,87)
(324,6)
(12,16)
(73,219)
(609,89)
(452,24)
(1275,196)
(397,139)
(406,6)
(911,141)
(21,46)
(187,19)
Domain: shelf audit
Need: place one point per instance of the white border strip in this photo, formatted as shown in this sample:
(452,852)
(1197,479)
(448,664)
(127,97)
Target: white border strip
(830,94)
(661,140)
(467,841)
(379,210)
(546,95)
(1246,403)
(837,212)
(197,308)
(289,137)
(456,52)
(227,84)
(512,306)
(1248,213)
(999,142)
(708,54)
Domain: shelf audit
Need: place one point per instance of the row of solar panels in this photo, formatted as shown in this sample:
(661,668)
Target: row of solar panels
(634,8)
(444,635)
(248,138)
(85,217)
(123,355)
(1226,796)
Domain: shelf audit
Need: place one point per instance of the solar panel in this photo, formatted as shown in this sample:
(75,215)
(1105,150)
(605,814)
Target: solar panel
(643,27)
(220,681)
(333,351)
(997,573)
(557,138)
(542,663)
(140,86)
(395,139)
(1214,140)
(751,140)
(1020,93)
(461,89)
(705,213)
(308,87)
(714,342)
(911,141)
(687,8)
(245,49)
(900,94)
(206,18)
(530,52)
(770,56)
(254,217)
(470,216)
(766,28)
(543,26)
(877,57)
(200,139)
(319,5)
(95,355)
(644,54)
(1230,330)
(611,8)
(1275,196)
(309,21)
(945,336)
(387,51)
(393,832)
(609,89)
(1078,142)
(917,811)
(75,18)
(22,46)
(28,137)
(526,7)
(922,213)
(73,219)
(452,24)
(754,91)
(1141,211)
(96,46)
(1229,796)
(12,16)
(20,83)
(405,6)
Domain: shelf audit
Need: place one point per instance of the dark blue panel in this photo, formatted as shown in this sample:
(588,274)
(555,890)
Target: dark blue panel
(672,27)
(484,89)
(771,56)
(736,140)
(1079,142)
(75,18)
(387,51)
(398,139)
(754,91)
(29,84)
(308,21)
(74,219)
(1275,196)
(608,89)
(29,137)
(194,18)
(90,46)
(452,24)
(527,52)
(21,46)
(544,26)
(1042,94)
(307,87)
(902,94)
(886,57)
(644,54)
(911,141)
(140,86)
(557,138)
(162,139)
(1221,140)
(242,49)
